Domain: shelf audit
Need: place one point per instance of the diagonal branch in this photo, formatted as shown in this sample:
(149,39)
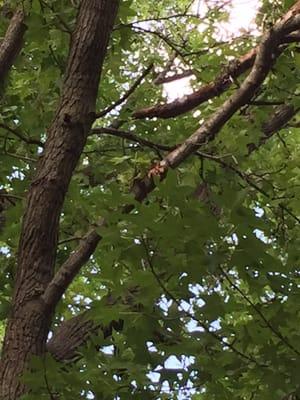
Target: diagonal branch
(206,92)
(12,42)
(21,136)
(256,308)
(126,95)
(278,120)
(67,272)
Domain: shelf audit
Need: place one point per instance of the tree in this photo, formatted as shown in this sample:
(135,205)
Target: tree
(149,248)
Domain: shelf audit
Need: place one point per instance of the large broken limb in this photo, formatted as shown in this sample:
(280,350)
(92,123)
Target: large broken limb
(215,88)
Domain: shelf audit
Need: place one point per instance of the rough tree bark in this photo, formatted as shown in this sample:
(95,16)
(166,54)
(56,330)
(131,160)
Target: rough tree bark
(30,317)
(12,42)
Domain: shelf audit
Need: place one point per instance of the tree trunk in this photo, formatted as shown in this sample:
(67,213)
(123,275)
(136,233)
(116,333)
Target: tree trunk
(30,317)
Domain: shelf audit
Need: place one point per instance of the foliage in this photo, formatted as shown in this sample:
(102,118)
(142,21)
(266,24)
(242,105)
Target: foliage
(208,291)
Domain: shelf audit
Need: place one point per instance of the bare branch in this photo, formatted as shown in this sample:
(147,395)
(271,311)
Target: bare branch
(161,79)
(206,92)
(158,19)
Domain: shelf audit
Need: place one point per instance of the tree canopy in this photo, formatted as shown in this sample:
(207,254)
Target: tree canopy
(149,243)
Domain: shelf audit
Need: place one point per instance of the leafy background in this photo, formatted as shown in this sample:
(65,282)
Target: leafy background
(208,291)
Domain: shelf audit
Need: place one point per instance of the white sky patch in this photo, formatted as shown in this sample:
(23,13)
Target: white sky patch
(241,20)
(177,89)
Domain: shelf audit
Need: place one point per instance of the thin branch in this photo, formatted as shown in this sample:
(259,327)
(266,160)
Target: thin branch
(130,136)
(126,95)
(178,48)
(158,19)
(11,196)
(162,78)
(64,26)
(20,135)
(70,239)
(247,179)
(257,310)
(20,157)
(190,315)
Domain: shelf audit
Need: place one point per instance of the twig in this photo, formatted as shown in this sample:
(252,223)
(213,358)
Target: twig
(63,23)
(158,19)
(126,95)
(19,157)
(268,324)
(71,239)
(130,136)
(246,178)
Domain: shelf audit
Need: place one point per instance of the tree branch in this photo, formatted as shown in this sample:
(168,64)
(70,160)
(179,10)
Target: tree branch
(75,332)
(67,272)
(21,136)
(278,120)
